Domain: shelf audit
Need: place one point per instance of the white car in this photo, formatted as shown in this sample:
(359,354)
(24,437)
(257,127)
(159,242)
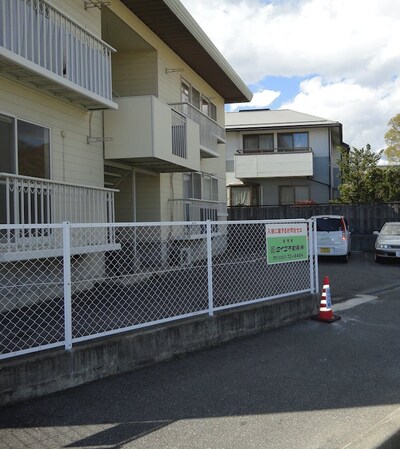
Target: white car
(333,236)
(387,245)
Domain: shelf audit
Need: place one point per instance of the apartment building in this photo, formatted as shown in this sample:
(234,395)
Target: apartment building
(110,111)
(281,157)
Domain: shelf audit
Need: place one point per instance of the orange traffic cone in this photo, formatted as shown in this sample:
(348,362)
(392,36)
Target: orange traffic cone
(325,308)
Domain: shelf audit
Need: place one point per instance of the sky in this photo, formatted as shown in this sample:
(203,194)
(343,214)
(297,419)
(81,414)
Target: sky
(336,59)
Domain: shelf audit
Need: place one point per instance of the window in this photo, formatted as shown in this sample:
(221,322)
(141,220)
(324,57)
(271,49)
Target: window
(293,194)
(214,189)
(199,190)
(195,98)
(205,106)
(196,182)
(33,150)
(192,96)
(200,186)
(30,155)
(213,111)
(244,195)
(25,151)
(252,142)
(290,141)
(185,92)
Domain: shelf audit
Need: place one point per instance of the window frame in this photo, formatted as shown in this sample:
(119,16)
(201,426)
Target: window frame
(293,144)
(257,136)
(15,157)
(190,188)
(198,100)
(293,188)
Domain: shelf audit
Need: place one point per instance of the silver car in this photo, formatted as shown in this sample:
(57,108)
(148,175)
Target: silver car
(387,245)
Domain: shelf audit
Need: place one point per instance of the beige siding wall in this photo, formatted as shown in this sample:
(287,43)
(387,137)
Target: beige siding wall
(134,73)
(148,197)
(124,201)
(74,9)
(72,159)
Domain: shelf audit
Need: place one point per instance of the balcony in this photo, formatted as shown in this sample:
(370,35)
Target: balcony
(149,134)
(276,163)
(32,205)
(194,210)
(42,48)
(211,134)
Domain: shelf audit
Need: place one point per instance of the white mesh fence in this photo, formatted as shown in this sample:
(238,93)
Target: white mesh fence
(82,281)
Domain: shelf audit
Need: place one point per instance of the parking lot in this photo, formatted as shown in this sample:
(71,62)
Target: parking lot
(361,275)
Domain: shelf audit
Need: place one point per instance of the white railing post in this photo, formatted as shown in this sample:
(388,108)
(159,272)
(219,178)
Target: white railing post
(209,270)
(67,285)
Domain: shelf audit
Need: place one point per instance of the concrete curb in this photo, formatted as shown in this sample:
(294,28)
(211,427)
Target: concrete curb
(51,371)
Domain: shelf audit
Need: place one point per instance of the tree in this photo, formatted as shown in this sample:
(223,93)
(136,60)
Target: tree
(392,139)
(361,178)
(390,186)
(363,181)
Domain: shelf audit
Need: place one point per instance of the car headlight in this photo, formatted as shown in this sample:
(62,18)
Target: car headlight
(382,246)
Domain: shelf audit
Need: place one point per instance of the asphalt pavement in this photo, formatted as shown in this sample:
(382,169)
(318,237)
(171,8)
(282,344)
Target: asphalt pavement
(361,275)
(310,385)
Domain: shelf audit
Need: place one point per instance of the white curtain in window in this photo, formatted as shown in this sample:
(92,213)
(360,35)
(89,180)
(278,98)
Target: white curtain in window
(286,195)
(241,196)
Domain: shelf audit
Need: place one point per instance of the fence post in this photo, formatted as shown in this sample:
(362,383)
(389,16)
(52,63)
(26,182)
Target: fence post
(314,258)
(209,270)
(67,284)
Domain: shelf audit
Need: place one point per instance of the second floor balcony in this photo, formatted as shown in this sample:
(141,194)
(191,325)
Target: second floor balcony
(43,48)
(211,134)
(150,134)
(274,163)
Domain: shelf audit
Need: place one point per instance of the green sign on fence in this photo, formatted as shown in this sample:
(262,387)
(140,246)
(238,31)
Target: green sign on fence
(286,244)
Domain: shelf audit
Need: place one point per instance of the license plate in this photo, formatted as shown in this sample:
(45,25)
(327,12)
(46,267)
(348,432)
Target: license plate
(325,250)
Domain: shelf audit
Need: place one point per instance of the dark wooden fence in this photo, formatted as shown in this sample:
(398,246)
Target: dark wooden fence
(362,218)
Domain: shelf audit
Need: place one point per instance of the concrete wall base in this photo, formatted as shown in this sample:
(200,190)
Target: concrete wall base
(43,373)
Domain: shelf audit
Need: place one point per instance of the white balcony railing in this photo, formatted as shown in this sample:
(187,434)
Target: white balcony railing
(179,134)
(210,132)
(36,35)
(31,205)
(39,201)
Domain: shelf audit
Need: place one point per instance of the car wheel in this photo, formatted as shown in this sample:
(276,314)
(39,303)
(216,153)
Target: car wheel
(377,258)
(345,258)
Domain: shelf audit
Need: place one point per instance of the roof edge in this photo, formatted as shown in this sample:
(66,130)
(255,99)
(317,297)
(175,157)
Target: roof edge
(196,31)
